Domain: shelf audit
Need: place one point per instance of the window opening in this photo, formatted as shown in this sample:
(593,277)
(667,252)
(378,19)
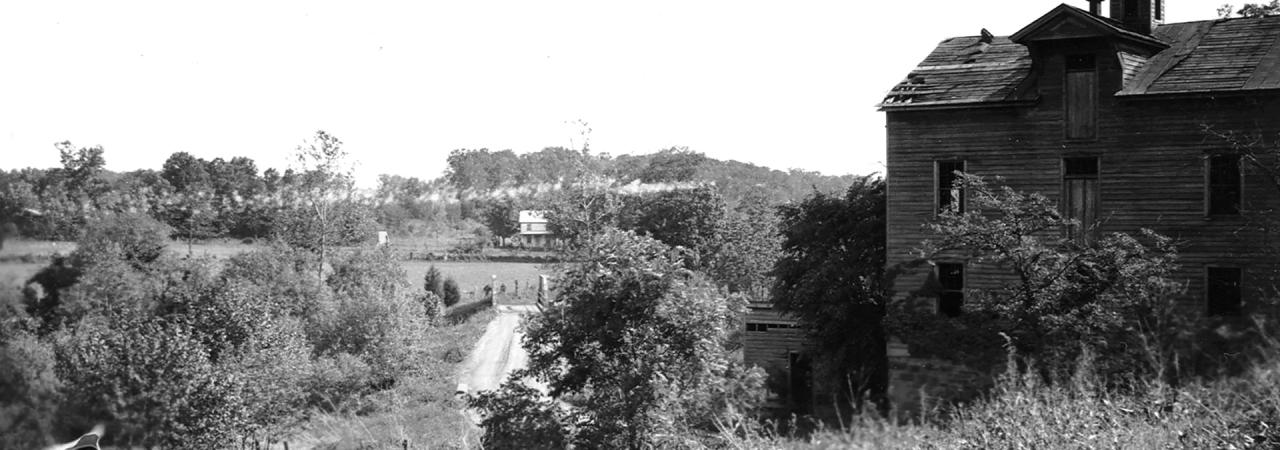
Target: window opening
(951,288)
(1224,184)
(1223,290)
(950,196)
(1080,197)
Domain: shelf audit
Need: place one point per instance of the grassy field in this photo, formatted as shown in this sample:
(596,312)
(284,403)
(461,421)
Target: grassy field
(473,276)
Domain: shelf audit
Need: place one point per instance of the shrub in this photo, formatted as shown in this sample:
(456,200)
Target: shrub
(28,391)
(151,378)
(282,275)
(433,281)
(451,294)
(336,381)
(433,307)
(368,273)
(141,240)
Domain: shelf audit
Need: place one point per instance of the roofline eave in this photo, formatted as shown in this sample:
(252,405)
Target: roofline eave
(957,105)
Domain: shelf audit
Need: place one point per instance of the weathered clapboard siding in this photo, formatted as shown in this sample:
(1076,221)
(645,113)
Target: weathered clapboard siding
(1151,155)
(1157,91)
(771,349)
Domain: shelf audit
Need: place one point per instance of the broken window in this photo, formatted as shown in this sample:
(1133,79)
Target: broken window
(1223,289)
(950,196)
(1080,197)
(1224,184)
(1081,97)
(950,288)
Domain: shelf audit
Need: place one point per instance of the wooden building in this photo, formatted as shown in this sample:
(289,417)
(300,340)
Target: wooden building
(1105,112)
(773,342)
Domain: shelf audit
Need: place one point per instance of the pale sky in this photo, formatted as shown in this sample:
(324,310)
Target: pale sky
(784,84)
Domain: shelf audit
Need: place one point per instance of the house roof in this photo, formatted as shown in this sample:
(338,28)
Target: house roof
(532,216)
(1228,55)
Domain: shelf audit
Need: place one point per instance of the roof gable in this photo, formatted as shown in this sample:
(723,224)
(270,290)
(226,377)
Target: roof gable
(1069,22)
(1231,55)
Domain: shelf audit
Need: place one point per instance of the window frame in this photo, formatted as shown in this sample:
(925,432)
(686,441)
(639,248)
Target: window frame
(1088,231)
(1209,185)
(938,207)
(1067,70)
(1232,310)
(943,289)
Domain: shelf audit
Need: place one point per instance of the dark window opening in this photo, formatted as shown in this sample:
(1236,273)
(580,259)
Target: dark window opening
(1130,10)
(1224,184)
(1224,291)
(1081,97)
(1159,10)
(768,326)
(950,289)
(1080,197)
(950,196)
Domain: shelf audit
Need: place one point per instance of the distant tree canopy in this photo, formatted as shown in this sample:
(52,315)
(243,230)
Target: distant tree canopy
(1251,9)
(207,198)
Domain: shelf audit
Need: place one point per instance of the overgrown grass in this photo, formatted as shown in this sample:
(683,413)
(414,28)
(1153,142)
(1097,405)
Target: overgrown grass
(421,409)
(1024,412)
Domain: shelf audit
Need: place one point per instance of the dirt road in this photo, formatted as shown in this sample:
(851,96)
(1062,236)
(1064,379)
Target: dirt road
(498,352)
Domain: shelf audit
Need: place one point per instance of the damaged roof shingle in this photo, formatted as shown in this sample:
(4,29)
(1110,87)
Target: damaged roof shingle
(1203,57)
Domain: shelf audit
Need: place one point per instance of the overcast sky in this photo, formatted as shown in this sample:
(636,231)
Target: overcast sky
(784,84)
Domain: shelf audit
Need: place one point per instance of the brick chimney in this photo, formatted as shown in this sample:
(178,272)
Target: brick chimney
(1139,16)
(1095,7)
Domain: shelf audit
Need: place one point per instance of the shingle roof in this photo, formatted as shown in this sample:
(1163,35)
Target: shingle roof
(964,70)
(1206,56)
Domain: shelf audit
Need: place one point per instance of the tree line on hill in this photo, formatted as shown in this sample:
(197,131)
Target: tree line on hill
(201,199)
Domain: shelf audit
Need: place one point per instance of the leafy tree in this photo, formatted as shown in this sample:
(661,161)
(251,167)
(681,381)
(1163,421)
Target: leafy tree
(82,168)
(1064,294)
(829,277)
(185,172)
(451,294)
(326,181)
(688,218)
(500,217)
(636,342)
(749,245)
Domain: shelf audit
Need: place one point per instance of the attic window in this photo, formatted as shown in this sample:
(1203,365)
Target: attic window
(1081,96)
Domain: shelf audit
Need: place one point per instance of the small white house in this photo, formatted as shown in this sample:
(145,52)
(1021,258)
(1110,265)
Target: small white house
(533,229)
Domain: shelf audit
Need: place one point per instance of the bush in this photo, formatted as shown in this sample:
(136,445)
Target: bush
(152,379)
(451,294)
(284,278)
(28,392)
(433,307)
(433,281)
(140,238)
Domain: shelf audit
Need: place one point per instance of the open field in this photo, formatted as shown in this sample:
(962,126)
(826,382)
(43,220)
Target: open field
(473,276)
(19,259)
